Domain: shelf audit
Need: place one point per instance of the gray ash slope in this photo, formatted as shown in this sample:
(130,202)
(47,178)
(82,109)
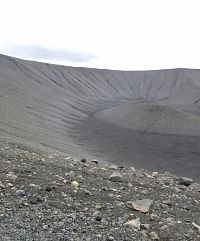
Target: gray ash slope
(148,119)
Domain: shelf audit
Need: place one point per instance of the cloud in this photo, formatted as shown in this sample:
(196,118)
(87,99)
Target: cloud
(39,52)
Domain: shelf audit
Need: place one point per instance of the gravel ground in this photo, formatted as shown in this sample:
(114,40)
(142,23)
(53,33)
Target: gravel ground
(54,197)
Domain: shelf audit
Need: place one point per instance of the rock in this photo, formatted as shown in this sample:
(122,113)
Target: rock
(110,238)
(113,167)
(115,177)
(94,161)
(9,184)
(98,206)
(97,216)
(99,236)
(2,186)
(48,189)
(196,226)
(35,200)
(164,227)
(153,216)
(74,185)
(154,236)
(83,160)
(63,194)
(135,223)
(184,181)
(20,193)
(145,192)
(155,174)
(12,176)
(141,205)
(87,192)
(45,227)
(145,226)
(175,189)
(132,169)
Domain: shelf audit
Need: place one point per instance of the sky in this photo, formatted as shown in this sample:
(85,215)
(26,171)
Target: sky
(111,34)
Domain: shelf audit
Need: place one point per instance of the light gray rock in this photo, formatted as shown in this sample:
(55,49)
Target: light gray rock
(20,193)
(116,177)
(154,236)
(141,205)
(135,223)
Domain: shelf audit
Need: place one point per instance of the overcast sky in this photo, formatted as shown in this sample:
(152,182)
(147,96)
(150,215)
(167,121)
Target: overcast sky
(116,34)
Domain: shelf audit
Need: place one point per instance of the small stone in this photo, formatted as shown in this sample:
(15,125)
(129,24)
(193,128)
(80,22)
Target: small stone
(135,223)
(35,200)
(99,236)
(74,185)
(87,192)
(141,205)
(115,177)
(94,161)
(97,216)
(2,185)
(184,181)
(196,226)
(145,226)
(20,193)
(71,174)
(9,184)
(83,160)
(155,174)
(145,192)
(98,206)
(153,216)
(45,227)
(147,175)
(25,204)
(110,238)
(175,189)
(164,227)
(113,167)
(48,189)
(12,176)
(132,169)
(154,236)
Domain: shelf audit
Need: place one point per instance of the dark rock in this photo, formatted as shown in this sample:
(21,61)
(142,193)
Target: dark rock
(97,216)
(83,160)
(48,189)
(184,181)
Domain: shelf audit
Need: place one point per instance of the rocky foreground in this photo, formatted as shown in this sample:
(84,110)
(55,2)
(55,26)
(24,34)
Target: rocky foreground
(52,197)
